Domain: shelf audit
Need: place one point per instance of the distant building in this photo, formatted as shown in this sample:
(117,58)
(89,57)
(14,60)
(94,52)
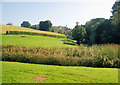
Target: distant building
(9,24)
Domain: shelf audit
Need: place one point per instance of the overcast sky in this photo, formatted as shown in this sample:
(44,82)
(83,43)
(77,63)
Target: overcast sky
(60,13)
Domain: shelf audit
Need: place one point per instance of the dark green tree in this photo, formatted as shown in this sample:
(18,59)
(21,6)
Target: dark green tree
(25,24)
(54,29)
(90,27)
(116,12)
(116,21)
(35,27)
(45,25)
(105,33)
(78,33)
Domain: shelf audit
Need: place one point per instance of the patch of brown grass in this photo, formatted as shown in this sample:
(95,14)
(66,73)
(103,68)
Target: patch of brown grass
(39,78)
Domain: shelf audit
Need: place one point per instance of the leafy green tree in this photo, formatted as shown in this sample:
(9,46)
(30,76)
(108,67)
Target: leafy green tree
(109,30)
(78,33)
(54,29)
(116,21)
(90,27)
(105,33)
(116,12)
(25,24)
(45,25)
(35,27)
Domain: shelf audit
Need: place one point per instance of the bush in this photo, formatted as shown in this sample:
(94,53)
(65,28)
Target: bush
(70,42)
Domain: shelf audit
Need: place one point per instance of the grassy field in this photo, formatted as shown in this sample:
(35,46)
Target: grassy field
(14,72)
(33,41)
(17,28)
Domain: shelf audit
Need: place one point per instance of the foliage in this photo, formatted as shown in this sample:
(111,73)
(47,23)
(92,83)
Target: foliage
(45,25)
(25,24)
(55,29)
(35,27)
(70,42)
(95,56)
(116,21)
(62,30)
(90,27)
(116,12)
(104,33)
(109,31)
(78,33)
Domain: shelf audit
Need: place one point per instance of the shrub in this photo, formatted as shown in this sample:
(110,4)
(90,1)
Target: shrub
(70,42)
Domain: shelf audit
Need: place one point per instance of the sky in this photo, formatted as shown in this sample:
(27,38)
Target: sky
(60,13)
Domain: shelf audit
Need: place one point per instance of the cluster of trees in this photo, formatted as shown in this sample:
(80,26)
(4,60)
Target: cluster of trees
(47,26)
(43,25)
(62,30)
(25,24)
(100,30)
(96,31)
(90,27)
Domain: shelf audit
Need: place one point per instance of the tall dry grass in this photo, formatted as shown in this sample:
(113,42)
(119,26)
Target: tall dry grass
(94,56)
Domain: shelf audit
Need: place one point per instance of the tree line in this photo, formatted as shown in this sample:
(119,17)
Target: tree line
(43,25)
(47,26)
(96,31)
(100,30)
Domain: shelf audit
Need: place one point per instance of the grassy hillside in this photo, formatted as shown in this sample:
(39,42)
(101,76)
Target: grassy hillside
(33,41)
(14,72)
(17,28)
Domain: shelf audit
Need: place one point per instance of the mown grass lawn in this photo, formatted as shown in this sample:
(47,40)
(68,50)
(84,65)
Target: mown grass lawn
(33,41)
(15,72)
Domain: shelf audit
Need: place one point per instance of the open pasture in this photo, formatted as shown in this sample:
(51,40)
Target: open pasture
(33,41)
(14,72)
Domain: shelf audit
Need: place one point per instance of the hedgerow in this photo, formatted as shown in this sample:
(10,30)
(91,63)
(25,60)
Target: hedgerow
(33,33)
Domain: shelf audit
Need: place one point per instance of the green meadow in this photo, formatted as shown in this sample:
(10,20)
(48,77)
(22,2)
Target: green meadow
(34,41)
(47,43)
(14,72)
(17,72)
